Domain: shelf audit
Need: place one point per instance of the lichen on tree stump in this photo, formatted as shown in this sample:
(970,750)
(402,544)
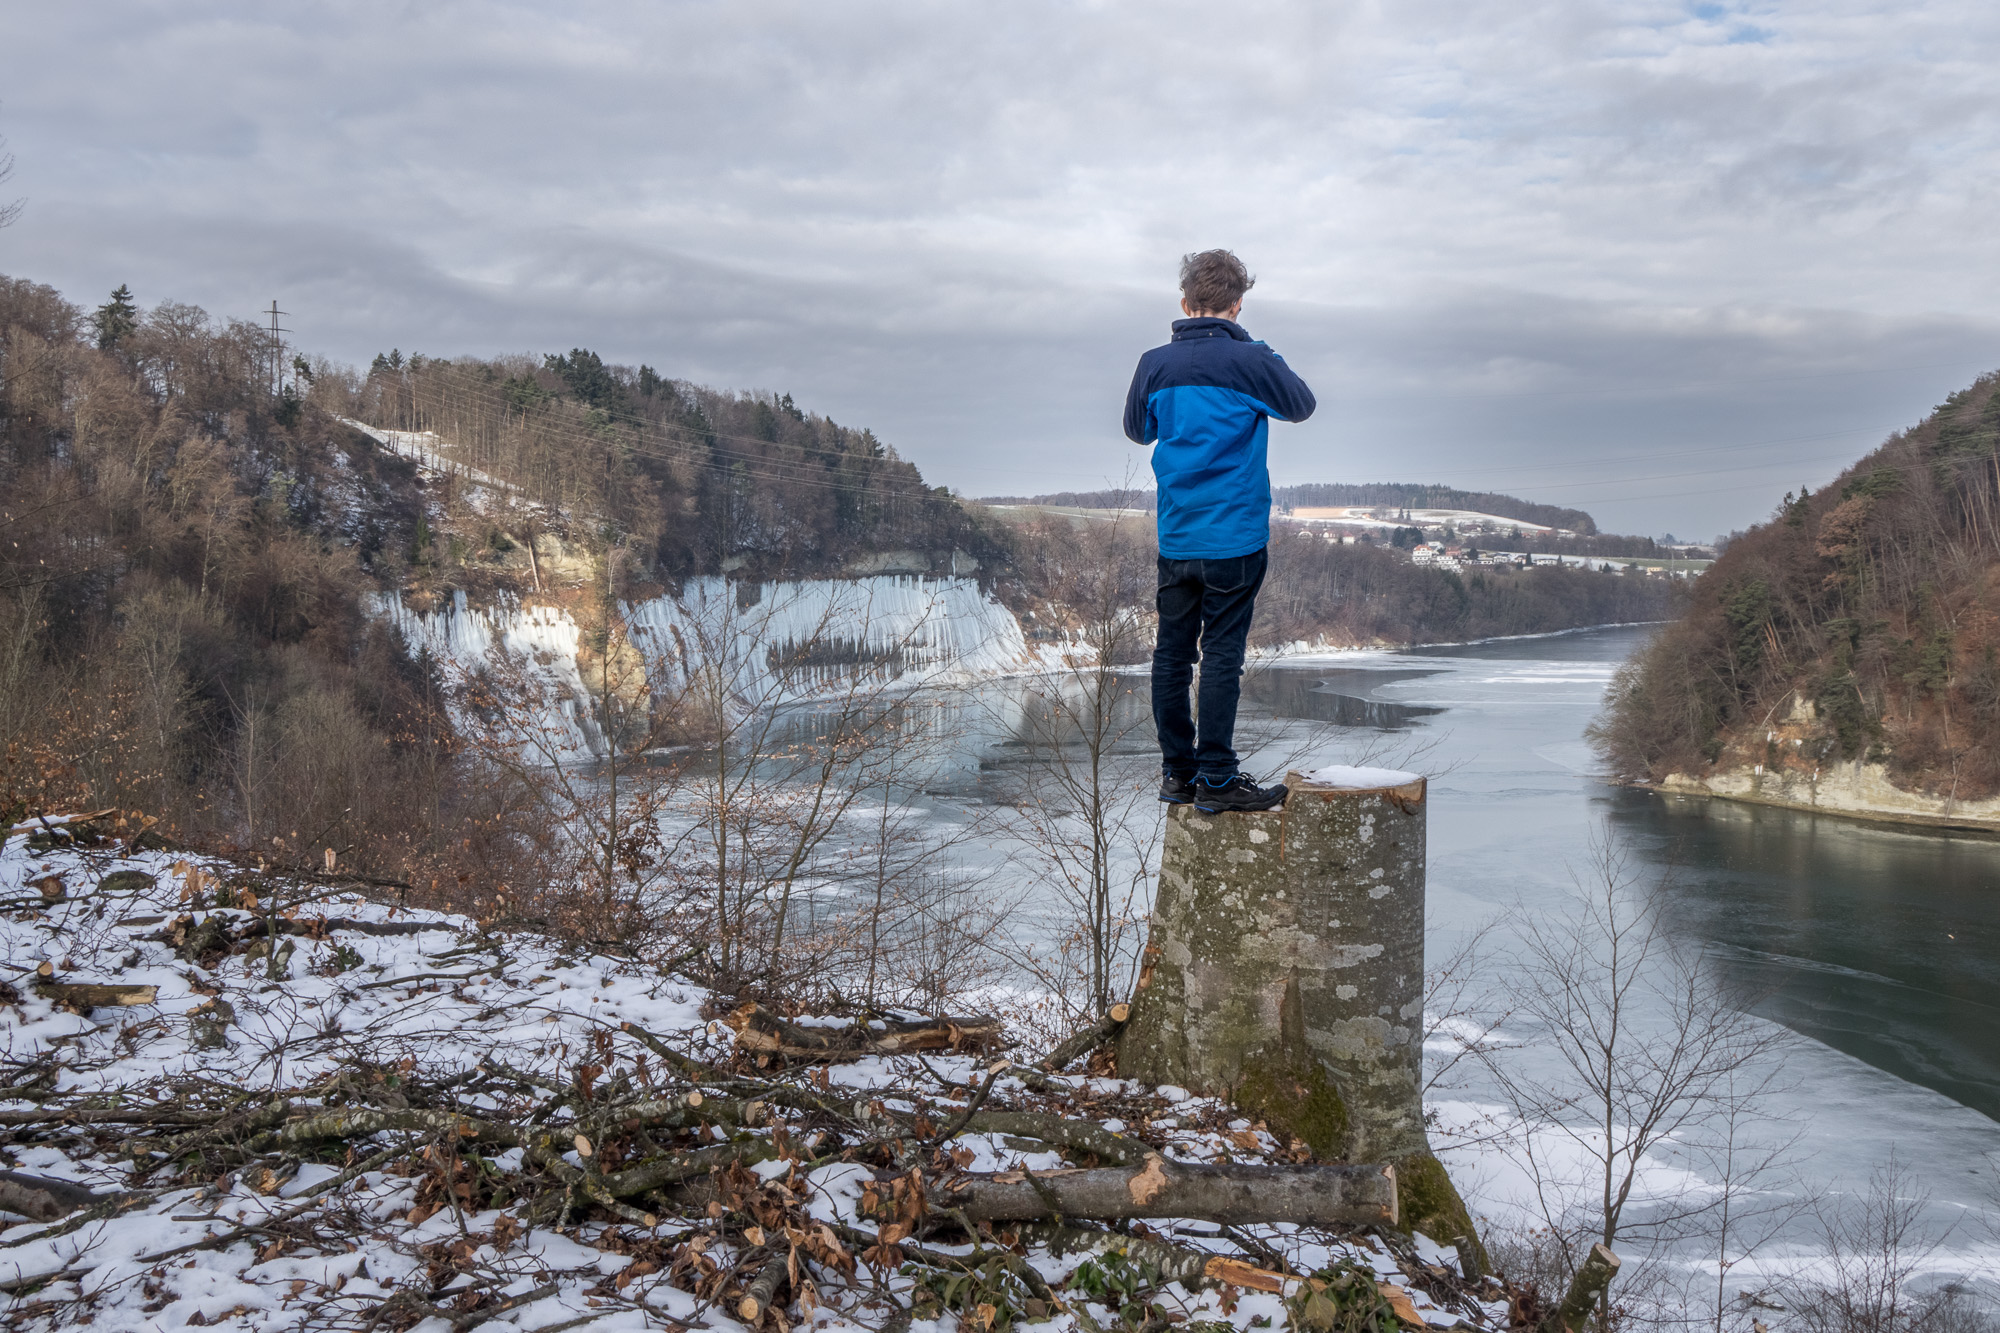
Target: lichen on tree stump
(1285,972)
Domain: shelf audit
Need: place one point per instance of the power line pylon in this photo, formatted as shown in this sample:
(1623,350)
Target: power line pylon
(277,336)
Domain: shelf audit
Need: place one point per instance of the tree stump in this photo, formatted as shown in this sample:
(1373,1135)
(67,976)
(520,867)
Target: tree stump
(1285,972)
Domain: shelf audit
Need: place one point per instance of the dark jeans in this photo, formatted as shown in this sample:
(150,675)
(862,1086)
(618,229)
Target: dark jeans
(1205,608)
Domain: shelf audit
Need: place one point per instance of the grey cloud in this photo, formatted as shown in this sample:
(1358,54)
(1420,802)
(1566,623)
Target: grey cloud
(1549,241)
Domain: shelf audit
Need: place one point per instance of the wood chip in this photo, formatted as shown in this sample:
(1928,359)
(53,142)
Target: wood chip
(1146,1186)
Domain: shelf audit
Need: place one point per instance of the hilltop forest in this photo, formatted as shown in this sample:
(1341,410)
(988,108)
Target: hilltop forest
(1868,612)
(1405,495)
(687,478)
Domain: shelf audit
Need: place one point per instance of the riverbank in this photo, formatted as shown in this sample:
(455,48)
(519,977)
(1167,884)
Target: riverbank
(1851,789)
(1302,648)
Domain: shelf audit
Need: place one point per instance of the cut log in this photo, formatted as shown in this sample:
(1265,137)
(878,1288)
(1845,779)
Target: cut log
(350,1122)
(49,832)
(108,1115)
(1284,971)
(45,823)
(1098,1033)
(762,1293)
(320,926)
(1586,1289)
(86,996)
(1471,1263)
(43,1198)
(1313,1195)
(763,1032)
(126,882)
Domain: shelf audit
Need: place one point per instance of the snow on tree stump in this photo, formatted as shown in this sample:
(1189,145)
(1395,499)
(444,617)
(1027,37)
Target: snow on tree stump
(1285,972)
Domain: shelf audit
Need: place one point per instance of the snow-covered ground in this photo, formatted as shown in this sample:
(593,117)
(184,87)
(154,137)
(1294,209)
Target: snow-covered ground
(1466,520)
(289,1237)
(427,451)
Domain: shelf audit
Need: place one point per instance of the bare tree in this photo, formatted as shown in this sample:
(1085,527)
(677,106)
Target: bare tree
(1458,1026)
(1876,1246)
(1643,1047)
(9,212)
(1084,809)
(1746,1157)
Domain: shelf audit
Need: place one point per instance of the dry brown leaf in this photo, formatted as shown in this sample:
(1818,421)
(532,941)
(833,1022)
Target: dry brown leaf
(1399,1301)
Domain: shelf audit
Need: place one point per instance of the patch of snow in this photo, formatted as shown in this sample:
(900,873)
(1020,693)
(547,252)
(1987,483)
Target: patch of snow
(1342,777)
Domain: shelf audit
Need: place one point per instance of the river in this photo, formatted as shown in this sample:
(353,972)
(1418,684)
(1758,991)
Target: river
(1879,948)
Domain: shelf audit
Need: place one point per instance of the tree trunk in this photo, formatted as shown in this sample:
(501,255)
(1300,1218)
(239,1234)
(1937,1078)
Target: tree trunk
(1285,972)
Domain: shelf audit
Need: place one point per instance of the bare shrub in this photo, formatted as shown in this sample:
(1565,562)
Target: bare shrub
(1081,805)
(1876,1249)
(1645,1053)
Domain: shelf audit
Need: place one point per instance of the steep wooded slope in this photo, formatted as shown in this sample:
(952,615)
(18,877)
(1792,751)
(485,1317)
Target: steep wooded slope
(193,545)
(685,480)
(1862,622)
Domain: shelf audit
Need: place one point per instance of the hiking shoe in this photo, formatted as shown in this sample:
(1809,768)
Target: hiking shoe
(1239,793)
(1176,791)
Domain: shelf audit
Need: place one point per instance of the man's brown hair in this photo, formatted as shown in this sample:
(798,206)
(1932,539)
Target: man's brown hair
(1213,281)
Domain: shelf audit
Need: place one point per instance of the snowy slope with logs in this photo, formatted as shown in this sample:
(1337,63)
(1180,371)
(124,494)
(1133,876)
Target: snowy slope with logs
(249,1100)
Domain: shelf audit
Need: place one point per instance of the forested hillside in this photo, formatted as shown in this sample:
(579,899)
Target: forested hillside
(190,539)
(1865,619)
(1318,591)
(184,554)
(1368,594)
(689,477)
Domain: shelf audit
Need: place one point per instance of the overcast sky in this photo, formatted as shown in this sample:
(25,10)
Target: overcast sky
(1661,261)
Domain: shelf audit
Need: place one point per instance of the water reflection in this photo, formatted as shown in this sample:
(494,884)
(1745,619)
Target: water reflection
(1343,696)
(1880,943)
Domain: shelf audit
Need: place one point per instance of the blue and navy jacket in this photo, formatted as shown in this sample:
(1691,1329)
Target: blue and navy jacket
(1208,397)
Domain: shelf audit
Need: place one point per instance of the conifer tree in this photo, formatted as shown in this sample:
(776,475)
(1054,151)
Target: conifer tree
(117,319)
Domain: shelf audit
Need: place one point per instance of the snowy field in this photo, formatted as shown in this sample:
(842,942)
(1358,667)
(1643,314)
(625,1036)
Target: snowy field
(199,1115)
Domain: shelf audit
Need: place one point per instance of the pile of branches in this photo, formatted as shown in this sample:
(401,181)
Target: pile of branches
(699,1173)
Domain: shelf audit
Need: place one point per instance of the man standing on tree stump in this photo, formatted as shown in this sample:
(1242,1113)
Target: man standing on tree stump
(1204,400)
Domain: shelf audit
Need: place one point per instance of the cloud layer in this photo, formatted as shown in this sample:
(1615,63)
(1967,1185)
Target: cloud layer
(1660,261)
